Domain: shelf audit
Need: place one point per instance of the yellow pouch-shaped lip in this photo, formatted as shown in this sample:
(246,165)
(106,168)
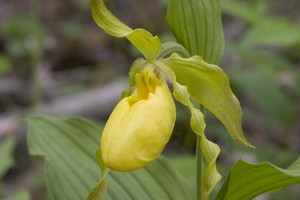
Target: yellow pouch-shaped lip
(140,125)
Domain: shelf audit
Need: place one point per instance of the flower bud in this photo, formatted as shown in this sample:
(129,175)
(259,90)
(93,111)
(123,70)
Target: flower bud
(140,125)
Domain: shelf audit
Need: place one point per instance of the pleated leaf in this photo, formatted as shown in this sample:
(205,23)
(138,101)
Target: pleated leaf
(197,25)
(246,180)
(209,85)
(69,145)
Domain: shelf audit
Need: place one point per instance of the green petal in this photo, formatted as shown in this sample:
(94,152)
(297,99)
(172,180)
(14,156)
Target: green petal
(210,150)
(148,45)
(209,85)
(144,41)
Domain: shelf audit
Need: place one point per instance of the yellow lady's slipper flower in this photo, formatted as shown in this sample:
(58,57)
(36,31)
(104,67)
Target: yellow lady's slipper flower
(140,125)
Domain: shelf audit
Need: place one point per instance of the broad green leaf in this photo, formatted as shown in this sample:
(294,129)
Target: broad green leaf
(197,25)
(7,148)
(184,165)
(209,85)
(246,180)
(69,145)
(148,45)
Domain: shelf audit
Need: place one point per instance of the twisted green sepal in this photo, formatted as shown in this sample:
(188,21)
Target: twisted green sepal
(99,192)
(209,85)
(210,150)
(144,41)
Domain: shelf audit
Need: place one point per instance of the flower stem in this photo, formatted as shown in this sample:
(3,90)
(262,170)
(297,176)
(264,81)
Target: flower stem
(199,166)
(199,169)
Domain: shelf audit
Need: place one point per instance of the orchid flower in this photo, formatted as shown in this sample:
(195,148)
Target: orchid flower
(142,122)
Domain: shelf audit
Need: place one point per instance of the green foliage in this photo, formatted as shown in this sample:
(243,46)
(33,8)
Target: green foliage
(5,64)
(264,72)
(264,29)
(148,45)
(20,32)
(249,12)
(21,194)
(7,148)
(260,88)
(273,31)
(68,146)
(197,25)
(184,165)
(209,85)
(246,181)
(209,150)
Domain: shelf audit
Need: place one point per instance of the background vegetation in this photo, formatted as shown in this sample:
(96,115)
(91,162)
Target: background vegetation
(55,60)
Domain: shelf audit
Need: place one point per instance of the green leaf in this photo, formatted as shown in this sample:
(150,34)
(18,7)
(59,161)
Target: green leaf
(184,165)
(7,148)
(246,180)
(209,85)
(197,25)
(148,45)
(68,146)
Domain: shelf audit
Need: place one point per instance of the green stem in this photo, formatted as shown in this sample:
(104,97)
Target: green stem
(199,166)
(199,169)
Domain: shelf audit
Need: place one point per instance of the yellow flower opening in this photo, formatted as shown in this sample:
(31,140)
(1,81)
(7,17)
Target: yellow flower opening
(140,125)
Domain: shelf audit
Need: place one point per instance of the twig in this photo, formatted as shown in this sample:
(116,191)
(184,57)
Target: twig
(95,102)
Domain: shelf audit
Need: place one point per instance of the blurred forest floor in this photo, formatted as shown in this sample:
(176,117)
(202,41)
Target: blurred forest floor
(55,60)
